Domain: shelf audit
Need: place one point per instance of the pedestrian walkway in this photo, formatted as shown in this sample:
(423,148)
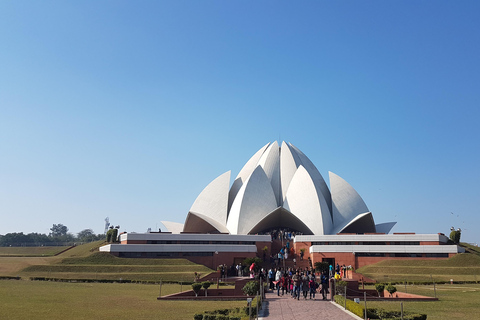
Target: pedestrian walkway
(287,308)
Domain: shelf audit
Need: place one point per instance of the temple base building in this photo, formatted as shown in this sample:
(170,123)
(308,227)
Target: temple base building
(280,189)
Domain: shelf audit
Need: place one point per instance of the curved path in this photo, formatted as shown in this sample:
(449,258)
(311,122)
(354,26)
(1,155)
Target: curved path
(287,308)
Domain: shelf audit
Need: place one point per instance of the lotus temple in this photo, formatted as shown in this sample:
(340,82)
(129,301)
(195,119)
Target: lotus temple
(280,197)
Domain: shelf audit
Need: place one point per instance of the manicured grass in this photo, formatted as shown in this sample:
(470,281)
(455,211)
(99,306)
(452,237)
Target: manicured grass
(30,251)
(53,300)
(455,301)
(461,267)
(470,248)
(85,262)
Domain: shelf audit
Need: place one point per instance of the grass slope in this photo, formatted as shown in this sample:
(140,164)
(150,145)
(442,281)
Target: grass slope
(53,300)
(85,262)
(455,302)
(30,251)
(461,267)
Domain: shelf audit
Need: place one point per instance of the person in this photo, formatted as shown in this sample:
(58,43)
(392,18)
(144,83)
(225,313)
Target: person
(312,285)
(324,290)
(330,268)
(296,286)
(271,277)
(305,286)
(337,268)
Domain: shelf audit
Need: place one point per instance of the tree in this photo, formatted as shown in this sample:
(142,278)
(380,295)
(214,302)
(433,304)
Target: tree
(321,266)
(380,287)
(391,289)
(248,262)
(251,288)
(196,288)
(86,235)
(205,286)
(455,235)
(58,230)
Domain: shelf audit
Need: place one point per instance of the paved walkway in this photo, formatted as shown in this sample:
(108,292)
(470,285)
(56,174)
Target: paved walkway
(287,308)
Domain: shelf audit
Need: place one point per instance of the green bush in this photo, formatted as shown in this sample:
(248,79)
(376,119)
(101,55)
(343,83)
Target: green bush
(321,266)
(251,288)
(355,308)
(395,315)
(391,289)
(222,317)
(196,288)
(235,318)
(379,287)
(248,262)
(209,317)
(198,316)
(206,284)
(340,287)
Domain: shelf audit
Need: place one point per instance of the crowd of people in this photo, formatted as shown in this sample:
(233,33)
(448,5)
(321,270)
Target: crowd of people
(297,283)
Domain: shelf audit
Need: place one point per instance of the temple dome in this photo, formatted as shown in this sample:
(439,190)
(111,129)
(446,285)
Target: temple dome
(279,187)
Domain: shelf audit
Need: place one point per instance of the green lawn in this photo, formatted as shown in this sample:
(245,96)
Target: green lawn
(455,302)
(54,300)
(30,251)
(461,267)
(85,262)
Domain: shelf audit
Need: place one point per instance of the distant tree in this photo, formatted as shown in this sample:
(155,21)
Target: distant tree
(39,238)
(58,230)
(86,235)
(15,239)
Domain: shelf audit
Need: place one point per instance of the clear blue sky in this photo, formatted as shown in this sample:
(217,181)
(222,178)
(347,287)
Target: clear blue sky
(128,109)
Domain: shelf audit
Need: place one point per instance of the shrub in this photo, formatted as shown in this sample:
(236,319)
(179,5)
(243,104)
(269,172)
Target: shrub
(222,317)
(321,266)
(355,308)
(235,318)
(196,288)
(379,287)
(248,262)
(251,288)
(209,317)
(198,316)
(391,289)
(341,286)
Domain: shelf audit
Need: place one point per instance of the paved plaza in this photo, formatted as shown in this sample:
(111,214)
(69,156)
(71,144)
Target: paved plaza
(287,308)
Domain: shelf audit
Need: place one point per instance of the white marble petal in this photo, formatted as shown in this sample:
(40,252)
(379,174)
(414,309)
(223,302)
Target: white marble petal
(253,202)
(173,227)
(270,162)
(244,174)
(213,200)
(347,203)
(305,203)
(288,166)
(385,227)
(317,178)
(199,223)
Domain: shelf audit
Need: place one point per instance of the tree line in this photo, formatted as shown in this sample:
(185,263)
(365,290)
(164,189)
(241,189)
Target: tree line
(59,235)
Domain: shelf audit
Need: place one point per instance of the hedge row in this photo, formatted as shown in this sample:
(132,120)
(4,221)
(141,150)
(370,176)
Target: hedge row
(109,280)
(9,278)
(424,282)
(229,314)
(373,313)
(200,316)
